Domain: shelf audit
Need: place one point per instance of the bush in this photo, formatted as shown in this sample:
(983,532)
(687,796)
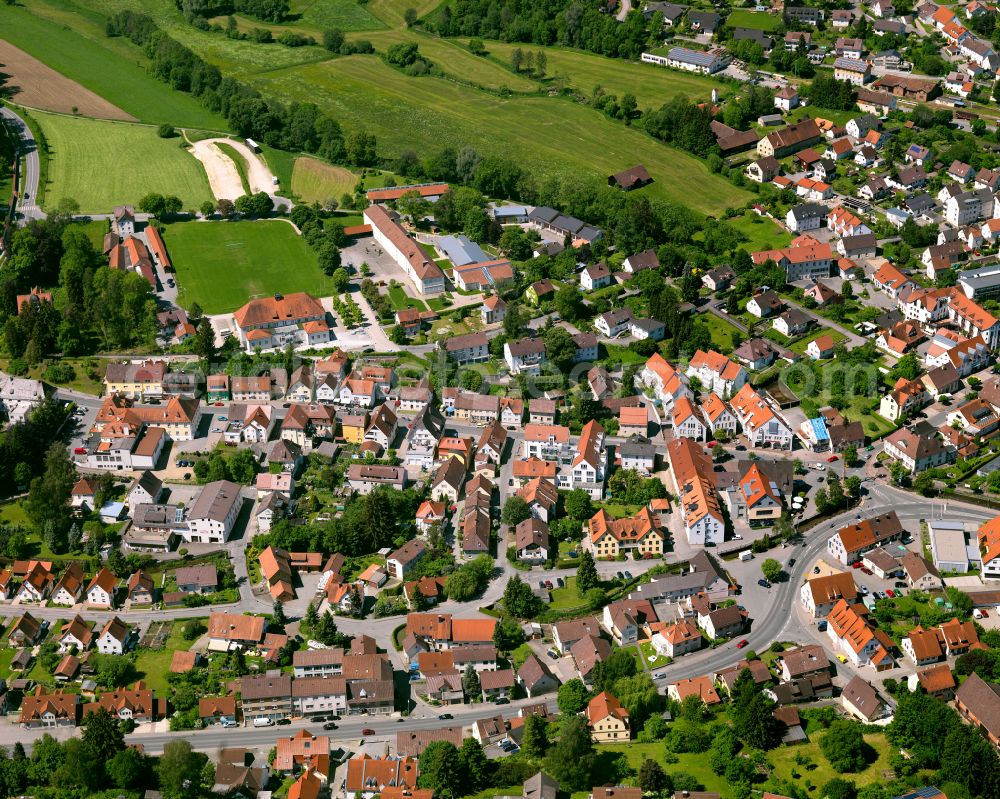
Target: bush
(166,132)
(59,373)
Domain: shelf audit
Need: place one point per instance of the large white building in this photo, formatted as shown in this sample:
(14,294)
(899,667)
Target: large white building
(213,514)
(425,275)
(273,322)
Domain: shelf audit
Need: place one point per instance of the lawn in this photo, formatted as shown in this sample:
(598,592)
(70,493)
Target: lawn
(744,18)
(74,44)
(821,771)
(446,328)
(547,136)
(800,345)
(817,771)
(238,161)
(400,300)
(761,233)
(221,265)
(13,513)
(315,181)
(102,164)
(153,665)
(566,598)
(697,765)
(652,658)
(652,85)
(721,332)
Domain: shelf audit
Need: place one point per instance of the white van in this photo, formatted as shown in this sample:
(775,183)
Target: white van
(262,722)
(748,555)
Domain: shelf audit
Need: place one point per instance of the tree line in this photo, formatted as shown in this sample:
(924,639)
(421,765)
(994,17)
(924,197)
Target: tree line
(297,127)
(571,23)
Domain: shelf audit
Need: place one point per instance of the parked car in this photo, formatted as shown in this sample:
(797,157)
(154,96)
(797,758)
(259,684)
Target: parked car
(841,658)
(501,700)
(445,717)
(628,575)
(890,593)
(815,569)
(899,584)
(763,583)
(283,722)
(560,582)
(821,626)
(866,570)
(548,584)
(856,565)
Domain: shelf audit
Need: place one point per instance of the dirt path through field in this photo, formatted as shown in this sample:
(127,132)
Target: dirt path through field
(40,86)
(223,176)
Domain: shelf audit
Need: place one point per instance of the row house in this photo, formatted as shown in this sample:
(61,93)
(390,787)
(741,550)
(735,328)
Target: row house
(688,420)
(468,406)
(717,373)
(761,424)
(803,258)
(860,643)
(849,543)
(589,465)
(525,356)
(470,348)
(906,397)
(695,487)
(641,534)
(919,450)
(665,382)
(846,223)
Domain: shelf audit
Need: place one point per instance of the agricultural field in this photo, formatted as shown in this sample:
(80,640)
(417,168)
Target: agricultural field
(548,135)
(315,181)
(452,57)
(651,85)
(75,46)
(102,164)
(38,86)
(220,265)
(345,15)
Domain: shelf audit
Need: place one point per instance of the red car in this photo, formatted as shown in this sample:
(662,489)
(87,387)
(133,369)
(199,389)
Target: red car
(831,459)
(368,731)
(80,451)
(711,444)
(866,570)
(742,643)
(889,593)
(856,565)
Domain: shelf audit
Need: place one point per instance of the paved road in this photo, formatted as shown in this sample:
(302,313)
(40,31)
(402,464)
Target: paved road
(28,208)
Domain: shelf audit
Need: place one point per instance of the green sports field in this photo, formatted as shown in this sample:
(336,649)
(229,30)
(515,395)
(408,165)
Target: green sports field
(221,265)
(102,164)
